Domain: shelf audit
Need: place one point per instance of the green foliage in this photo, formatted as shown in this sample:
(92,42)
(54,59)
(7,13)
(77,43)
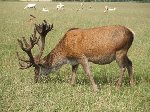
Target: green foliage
(9,0)
(18,92)
(143,1)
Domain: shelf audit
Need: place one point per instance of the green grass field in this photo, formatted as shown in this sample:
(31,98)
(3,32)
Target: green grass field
(18,92)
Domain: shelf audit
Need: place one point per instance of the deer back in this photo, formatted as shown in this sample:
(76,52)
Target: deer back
(99,45)
(95,41)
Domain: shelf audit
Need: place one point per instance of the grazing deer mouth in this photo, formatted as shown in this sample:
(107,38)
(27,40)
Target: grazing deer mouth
(43,70)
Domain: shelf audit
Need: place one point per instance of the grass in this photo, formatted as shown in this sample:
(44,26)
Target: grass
(18,92)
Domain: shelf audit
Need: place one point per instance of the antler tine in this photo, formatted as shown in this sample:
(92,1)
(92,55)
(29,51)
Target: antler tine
(21,44)
(34,40)
(28,46)
(51,26)
(21,59)
(34,34)
(45,21)
(48,27)
(25,42)
(38,28)
(27,49)
(23,65)
(43,28)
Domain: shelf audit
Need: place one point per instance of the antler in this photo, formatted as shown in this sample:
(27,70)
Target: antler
(27,49)
(42,29)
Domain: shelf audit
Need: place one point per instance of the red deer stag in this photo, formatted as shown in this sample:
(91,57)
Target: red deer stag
(100,45)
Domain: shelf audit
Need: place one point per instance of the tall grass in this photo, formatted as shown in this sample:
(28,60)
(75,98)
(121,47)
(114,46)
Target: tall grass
(18,92)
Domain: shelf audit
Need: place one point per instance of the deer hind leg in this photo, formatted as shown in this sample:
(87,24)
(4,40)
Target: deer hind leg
(73,77)
(121,60)
(130,72)
(86,67)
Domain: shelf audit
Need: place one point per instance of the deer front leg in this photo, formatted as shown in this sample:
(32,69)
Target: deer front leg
(37,74)
(73,77)
(85,65)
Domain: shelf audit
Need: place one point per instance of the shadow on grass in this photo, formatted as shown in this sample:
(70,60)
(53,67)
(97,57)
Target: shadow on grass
(108,79)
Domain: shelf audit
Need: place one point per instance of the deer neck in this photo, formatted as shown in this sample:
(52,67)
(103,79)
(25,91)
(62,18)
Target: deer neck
(53,61)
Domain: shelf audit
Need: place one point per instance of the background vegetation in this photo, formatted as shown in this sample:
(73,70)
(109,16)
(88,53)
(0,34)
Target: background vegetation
(143,1)
(18,92)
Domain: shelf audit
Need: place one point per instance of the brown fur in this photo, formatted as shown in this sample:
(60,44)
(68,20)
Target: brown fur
(100,45)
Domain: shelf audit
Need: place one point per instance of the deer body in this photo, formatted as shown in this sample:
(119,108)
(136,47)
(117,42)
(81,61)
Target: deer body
(100,45)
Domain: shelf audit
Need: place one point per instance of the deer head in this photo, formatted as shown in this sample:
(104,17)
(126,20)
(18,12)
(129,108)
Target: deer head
(34,61)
